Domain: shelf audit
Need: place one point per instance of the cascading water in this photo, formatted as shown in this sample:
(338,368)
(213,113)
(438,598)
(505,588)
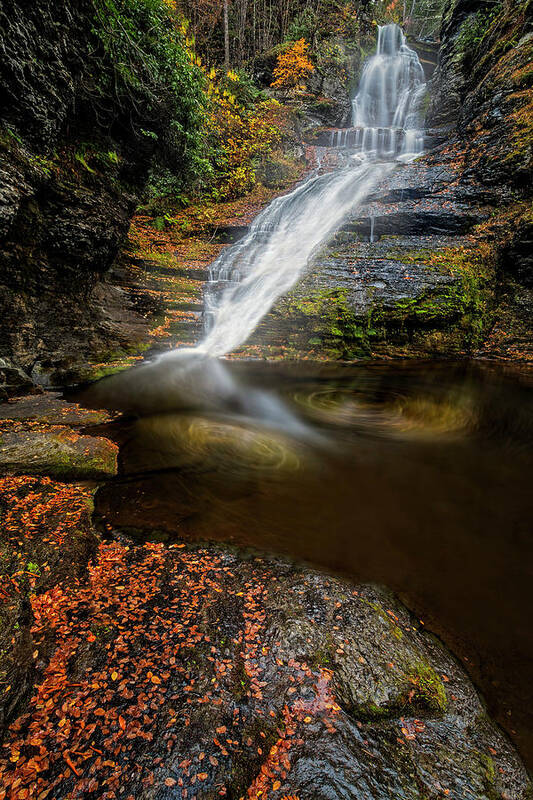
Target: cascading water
(388,110)
(249,276)
(276,250)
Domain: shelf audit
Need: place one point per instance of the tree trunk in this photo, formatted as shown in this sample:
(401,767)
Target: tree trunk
(226,36)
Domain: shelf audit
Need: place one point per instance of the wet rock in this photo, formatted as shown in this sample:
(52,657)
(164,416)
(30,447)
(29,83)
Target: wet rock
(396,279)
(281,682)
(482,88)
(51,408)
(13,380)
(57,452)
(62,219)
(230,233)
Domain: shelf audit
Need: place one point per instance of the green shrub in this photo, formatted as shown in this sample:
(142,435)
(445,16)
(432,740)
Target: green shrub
(152,76)
(474,30)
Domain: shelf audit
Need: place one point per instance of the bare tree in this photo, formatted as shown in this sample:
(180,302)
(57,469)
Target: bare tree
(226,36)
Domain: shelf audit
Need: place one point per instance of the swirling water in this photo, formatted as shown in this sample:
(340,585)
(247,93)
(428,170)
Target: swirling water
(414,475)
(417,476)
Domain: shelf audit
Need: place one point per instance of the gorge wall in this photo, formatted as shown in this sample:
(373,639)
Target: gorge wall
(437,263)
(483,89)
(74,158)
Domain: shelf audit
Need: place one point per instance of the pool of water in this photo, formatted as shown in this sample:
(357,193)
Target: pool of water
(414,475)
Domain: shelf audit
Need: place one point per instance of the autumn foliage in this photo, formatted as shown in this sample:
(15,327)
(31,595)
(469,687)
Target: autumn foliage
(242,135)
(293,67)
(241,128)
(139,655)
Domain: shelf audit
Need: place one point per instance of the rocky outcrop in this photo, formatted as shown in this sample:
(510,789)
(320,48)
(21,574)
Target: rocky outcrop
(72,164)
(482,91)
(438,262)
(405,275)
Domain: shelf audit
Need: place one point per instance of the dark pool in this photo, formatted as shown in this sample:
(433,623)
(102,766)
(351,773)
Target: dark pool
(415,475)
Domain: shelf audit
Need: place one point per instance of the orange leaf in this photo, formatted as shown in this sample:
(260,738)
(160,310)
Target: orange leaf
(71,765)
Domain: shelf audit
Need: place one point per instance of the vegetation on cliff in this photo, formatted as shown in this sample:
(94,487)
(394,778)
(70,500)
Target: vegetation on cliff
(189,669)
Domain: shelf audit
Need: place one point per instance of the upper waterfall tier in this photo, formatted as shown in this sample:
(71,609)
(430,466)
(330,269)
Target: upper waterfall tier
(391,98)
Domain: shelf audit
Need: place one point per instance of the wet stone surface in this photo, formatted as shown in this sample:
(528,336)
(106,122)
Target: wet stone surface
(401,276)
(40,435)
(56,452)
(51,408)
(197,672)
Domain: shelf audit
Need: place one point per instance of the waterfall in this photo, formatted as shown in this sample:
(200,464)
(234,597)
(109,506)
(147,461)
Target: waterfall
(389,106)
(276,250)
(249,276)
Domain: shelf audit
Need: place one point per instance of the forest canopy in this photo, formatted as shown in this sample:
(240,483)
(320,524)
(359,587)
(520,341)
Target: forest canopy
(205,77)
(256,26)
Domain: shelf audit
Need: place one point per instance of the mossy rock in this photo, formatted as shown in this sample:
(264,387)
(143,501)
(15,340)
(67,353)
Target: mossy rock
(57,453)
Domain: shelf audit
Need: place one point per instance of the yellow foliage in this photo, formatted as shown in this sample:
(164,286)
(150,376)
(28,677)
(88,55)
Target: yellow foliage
(239,136)
(245,136)
(293,67)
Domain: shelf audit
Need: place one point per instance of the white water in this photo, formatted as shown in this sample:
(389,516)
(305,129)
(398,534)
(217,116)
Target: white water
(249,276)
(276,250)
(388,108)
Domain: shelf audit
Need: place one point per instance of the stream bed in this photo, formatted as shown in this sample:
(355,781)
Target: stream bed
(412,475)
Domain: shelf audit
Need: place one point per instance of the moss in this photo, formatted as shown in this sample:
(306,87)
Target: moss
(490,769)
(370,712)
(474,30)
(73,464)
(103,372)
(395,630)
(467,302)
(450,317)
(428,687)
(522,127)
(328,320)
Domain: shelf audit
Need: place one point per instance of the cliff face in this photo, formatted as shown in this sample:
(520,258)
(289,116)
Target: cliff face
(71,168)
(439,261)
(483,86)
(483,89)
